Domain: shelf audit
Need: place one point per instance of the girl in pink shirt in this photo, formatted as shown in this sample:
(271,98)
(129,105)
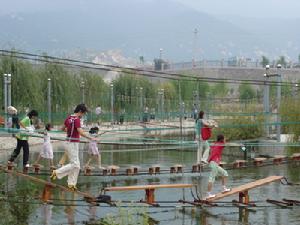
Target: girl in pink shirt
(216,170)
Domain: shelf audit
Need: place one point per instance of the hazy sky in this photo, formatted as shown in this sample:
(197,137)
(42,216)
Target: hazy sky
(249,8)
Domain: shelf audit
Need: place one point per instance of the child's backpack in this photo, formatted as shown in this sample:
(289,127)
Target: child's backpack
(206,133)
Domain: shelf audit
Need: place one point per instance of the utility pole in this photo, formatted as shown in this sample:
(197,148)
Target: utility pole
(194,47)
(267,100)
(112,102)
(5,100)
(49,100)
(161,60)
(82,91)
(9,89)
(278,133)
(180,109)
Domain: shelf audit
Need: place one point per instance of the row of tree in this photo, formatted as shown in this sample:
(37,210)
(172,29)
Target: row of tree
(131,92)
(282,60)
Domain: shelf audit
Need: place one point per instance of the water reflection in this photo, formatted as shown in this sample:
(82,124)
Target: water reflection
(46,213)
(20,209)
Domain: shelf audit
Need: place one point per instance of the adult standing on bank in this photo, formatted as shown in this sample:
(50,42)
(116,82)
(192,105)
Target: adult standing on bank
(73,127)
(22,139)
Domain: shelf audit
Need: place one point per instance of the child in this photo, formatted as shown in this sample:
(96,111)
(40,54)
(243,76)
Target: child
(47,151)
(214,161)
(22,139)
(93,148)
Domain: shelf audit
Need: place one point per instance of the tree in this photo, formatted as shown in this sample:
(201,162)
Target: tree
(220,89)
(246,91)
(282,61)
(264,61)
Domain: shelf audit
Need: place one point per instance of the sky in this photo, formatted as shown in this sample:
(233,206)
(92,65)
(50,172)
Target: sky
(254,8)
(248,8)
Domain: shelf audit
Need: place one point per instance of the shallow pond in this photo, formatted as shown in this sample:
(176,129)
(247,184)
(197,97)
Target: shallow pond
(20,202)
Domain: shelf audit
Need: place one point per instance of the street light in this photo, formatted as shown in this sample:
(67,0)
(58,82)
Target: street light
(160,59)
(5,98)
(195,47)
(82,91)
(112,102)
(9,89)
(267,75)
(266,99)
(49,100)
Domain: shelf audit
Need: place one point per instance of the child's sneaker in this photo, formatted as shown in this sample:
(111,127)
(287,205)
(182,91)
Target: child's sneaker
(204,161)
(209,195)
(72,187)
(53,175)
(225,189)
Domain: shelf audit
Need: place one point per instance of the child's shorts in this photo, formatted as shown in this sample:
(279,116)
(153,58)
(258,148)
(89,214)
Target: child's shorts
(216,170)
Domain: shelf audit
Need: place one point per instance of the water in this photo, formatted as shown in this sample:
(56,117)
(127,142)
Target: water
(20,202)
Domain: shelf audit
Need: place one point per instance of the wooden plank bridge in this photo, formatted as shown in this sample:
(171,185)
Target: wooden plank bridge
(243,189)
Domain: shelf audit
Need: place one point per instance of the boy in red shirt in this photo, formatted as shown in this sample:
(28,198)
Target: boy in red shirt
(214,161)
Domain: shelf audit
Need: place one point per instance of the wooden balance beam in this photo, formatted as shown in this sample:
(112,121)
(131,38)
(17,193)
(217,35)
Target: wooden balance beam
(243,190)
(49,186)
(149,189)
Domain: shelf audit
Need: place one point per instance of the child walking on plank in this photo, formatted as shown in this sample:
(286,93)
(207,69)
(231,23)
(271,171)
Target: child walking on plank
(214,163)
(47,151)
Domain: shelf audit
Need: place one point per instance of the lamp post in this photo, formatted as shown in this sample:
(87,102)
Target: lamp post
(112,102)
(195,47)
(82,86)
(278,98)
(266,99)
(278,133)
(160,59)
(141,98)
(49,100)
(5,99)
(9,89)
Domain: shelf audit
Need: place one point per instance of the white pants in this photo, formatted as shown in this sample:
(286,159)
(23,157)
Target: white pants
(73,167)
(202,156)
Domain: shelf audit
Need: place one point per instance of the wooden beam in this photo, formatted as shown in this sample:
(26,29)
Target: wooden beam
(144,187)
(246,187)
(87,196)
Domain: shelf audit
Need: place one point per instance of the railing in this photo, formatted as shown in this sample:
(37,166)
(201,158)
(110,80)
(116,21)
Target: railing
(241,63)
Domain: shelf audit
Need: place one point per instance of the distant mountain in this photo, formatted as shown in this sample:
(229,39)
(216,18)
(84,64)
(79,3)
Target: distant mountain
(282,35)
(136,27)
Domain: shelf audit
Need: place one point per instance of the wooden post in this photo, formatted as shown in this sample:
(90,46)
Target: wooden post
(10,166)
(129,171)
(157,169)
(172,169)
(195,168)
(244,197)
(25,170)
(151,170)
(135,170)
(46,193)
(150,198)
(36,169)
(179,169)
(104,172)
(113,171)
(87,171)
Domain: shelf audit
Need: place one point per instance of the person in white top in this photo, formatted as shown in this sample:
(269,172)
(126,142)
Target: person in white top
(93,148)
(47,151)
(98,112)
